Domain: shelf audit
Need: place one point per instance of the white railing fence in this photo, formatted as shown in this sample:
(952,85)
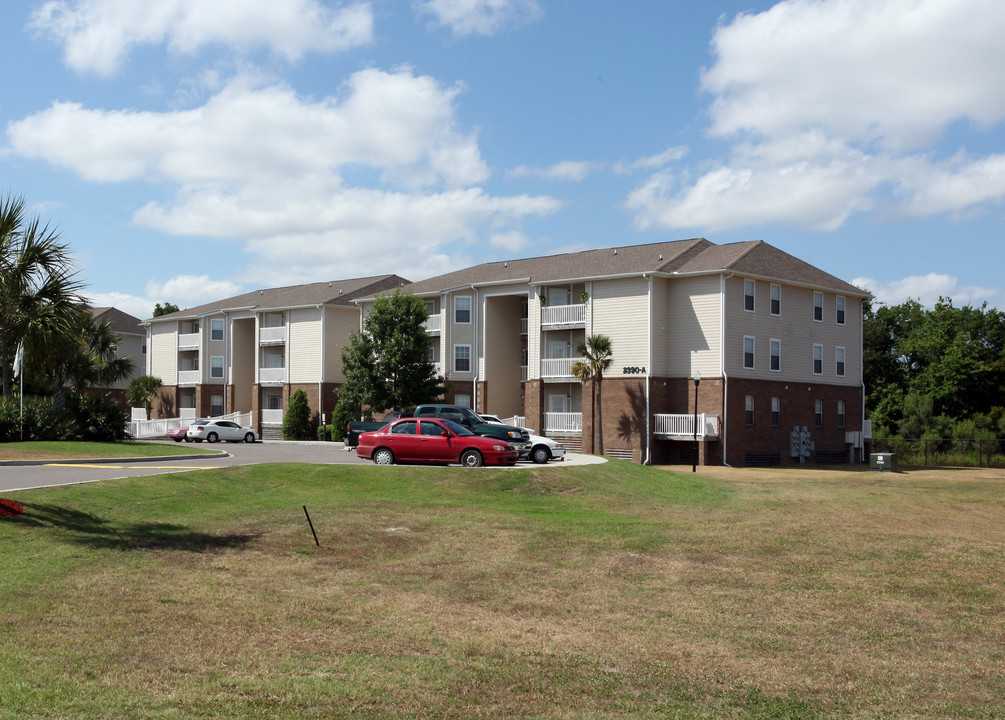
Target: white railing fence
(272,417)
(188,340)
(272,375)
(272,334)
(563,315)
(433,323)
(557,367)
(683,425)
(188,377)
(564,422)
(157,428)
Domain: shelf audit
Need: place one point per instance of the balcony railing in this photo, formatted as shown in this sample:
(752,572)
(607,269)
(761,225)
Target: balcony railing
(523,326)
(563,315)
(563,422)
(272,417)
(272,375)
(683,425)
(523,373)
(189,377)
(433,323)
(189,341)
(557,367)
(272,335)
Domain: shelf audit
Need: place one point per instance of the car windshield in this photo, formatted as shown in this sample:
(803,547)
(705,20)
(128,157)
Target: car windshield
(457,429)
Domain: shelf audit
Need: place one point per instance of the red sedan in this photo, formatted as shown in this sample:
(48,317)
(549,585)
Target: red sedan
(433,441)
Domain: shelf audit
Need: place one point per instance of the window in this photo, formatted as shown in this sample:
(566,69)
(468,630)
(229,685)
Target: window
(216,404)
(273,360)
(410,427)
(749,407)
(839,364)
(818,413)
(840,413)
(216,367)
(462,358)
(818,359)
(776,412)
(273,402)
(273,320)
(818,306)
(776,299)
(431,429)
(430,306)
(216,329)
(748,352)
(462,400)
(431,354)
(776,355)
(462,309)
(144,348)
(839,309)
(748,295)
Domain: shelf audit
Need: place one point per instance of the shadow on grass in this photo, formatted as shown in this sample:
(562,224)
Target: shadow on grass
(90,530)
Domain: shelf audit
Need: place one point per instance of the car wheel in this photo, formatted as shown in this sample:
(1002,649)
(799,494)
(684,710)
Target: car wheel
(471,458)
(540,454)
(249,438)
(177,439)
(383,456)
(188,439)
(212,437)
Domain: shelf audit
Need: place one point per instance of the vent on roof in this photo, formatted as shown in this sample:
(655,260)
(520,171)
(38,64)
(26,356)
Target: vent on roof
(661,256)
(615,251)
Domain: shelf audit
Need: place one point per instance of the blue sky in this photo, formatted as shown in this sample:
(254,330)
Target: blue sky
(191,150)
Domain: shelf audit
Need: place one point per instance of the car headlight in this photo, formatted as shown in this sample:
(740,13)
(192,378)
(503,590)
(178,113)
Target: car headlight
(499,448)
(513,434)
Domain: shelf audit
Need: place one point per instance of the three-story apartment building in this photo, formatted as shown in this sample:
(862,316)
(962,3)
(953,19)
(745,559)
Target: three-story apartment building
(249,353)
(775,342)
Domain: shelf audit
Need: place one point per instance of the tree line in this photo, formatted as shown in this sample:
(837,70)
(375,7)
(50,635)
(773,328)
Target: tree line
(935,373)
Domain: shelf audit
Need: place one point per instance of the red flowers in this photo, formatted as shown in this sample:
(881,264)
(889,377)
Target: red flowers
(9,507)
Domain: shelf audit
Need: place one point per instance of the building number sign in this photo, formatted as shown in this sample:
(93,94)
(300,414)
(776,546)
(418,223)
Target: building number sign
(633,371)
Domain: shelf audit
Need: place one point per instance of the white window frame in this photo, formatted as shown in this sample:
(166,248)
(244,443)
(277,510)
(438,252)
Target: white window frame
(818,359)
(841,413)
(213,367)
(470,309)
(217,325)
(213,405)
(818,413)
(818,306)
(456,358)
(463,400)
(774,344)
(752,294)
(840,312)
(748,407)
(840,363)
(775,300)
(753,353)
(776,411)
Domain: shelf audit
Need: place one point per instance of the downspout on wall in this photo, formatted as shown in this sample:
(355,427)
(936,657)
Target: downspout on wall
(647,459)
(722,363)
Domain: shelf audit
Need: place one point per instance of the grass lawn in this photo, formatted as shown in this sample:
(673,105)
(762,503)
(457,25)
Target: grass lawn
(611,591)
(45,450)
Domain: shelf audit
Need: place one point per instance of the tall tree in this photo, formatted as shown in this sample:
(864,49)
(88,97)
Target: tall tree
(164,309)
(597,356)
(142,390)
(386,362)
(40,297)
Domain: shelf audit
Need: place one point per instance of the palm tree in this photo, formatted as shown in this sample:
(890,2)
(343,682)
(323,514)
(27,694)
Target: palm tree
(40,297)
(85,358)
(597,357)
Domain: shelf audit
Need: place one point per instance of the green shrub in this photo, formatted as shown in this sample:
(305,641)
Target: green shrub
(297,423)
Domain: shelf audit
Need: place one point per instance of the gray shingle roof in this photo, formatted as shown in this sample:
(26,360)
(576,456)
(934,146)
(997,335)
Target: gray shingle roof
(120,322)
(335,292)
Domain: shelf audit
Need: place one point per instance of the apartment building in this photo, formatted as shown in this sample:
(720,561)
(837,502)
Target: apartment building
(774,343)
(249,353)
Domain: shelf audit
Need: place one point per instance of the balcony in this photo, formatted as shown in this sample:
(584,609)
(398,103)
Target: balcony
(272,417)
(189,341)
(681,427)
(272,376)
(558,368)
(563,423)
(433,324)
(272,335)
(189,377)
(563,316)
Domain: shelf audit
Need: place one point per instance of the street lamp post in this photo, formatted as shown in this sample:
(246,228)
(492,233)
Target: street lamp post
(694,457)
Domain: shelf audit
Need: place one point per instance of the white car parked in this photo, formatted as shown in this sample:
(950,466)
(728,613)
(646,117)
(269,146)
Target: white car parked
(216,430)
(543,449)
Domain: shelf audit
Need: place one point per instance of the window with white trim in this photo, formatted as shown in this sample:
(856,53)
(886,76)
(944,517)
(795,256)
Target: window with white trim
(775,355)
(818,413)
(748,352)
(462,309)
(818,306)
(748,295)
(216,366)
(748,404)
(463,401)
(818,359)
(841,413)
(839,361)
(216,404)
(216,329)
(776,412)
(839,313)
(776,299)
(462,358)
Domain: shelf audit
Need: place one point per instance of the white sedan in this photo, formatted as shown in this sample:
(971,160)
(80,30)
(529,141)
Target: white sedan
(543,449)
(216,430)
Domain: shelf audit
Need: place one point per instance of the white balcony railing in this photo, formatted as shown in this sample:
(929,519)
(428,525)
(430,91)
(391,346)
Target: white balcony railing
(683,425)
(523,326)
(189,377)
(187,413)
(563,315)
(272,335)
(523,373)
(557,367)
(563,422)
(433,323)
(272,375)
(189,341)
(272,417)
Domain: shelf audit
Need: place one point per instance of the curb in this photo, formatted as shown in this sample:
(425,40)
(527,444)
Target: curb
(111,461)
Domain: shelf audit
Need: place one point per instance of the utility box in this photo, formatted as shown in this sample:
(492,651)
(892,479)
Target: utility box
(883,462)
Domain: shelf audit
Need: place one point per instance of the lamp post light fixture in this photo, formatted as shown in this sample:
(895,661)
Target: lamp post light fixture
(694,457)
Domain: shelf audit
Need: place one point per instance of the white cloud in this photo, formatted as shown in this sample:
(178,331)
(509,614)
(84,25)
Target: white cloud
(512,242)
(185,291)
(835,108)
(139,307)
(927,289)
(479,17)
(97,35)
(567,170)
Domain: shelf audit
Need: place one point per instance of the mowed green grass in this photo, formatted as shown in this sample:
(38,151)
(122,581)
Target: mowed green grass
(62,450)
(612,591)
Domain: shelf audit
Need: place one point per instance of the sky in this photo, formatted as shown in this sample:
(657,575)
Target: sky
(188,150)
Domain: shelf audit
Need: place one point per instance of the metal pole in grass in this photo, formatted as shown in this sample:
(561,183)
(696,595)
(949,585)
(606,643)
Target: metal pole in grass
(312,526)
(694,451)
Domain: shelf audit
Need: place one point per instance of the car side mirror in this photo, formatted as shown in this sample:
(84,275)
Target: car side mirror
(445,434)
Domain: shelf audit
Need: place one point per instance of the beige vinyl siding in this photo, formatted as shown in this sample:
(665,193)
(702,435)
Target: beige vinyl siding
(131,346)
(662,330)
(694,340)
(533,337)
(163,352)
(621,311)
(340,323)
(460,334)
(303,353)
(796,330)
